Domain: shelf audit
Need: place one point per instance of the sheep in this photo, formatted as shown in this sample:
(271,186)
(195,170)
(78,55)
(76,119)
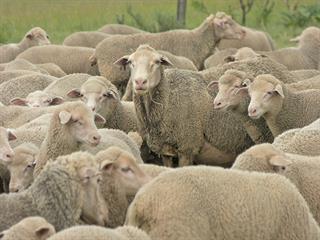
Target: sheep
(7,75)
(72,128)
(31,228)
(254,67)
(232,97)
(177,62)
(21,167)
(121,179)
(119,29)
(100,233)
(85,39)
(310,83)
(69,59)
(6,155)
(23,85)
(102,96)
(203,202)
(302,171)
(305,56)
(306,73)
(65,193)
(16,116)
(37,99)
(303,141)
(164,99)
(218,58)
(257,40)
(194,44)
(22,64)
(35,37)
(275,102)
(45,68)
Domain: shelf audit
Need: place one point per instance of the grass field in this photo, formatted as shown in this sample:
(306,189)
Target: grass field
(62,17)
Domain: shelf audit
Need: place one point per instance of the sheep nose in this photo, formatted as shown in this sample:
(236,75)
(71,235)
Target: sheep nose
(217,104)
(140,82)
(252,111)
(93,109)
(96,139)
(13,189)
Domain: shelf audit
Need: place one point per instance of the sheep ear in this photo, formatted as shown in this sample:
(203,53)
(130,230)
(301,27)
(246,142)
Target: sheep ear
(112,93)
(56,101)
(122,61)
(19,101)
(74,93)
(213,85)
(64,117)
(165,61)
(30,36)
(99,119)
(296,39)
(278,89)
(279,161)
(11,135)
(107,166)
(1,235)
(93,60)
(229,59)
(43,233)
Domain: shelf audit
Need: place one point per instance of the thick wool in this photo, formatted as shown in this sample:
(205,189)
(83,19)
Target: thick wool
(196,45)
(217,59)
(31,228)
(303,141)
(306,73)
(63,85)
(85,39)
(69,59)
(35,37)
(23,85)
(100,233)
(168,114)
(7,75)
(208,203)
(302,171)
(257,40)
(283,117)
(22,64)
(55,195)
(310,83)
(119,29)
(254,67)
(304,56)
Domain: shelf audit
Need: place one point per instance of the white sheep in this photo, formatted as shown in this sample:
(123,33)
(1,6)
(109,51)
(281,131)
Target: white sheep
(35,37)
(209,203)
(31,228)
(275,102)
(69,59)
(85,39)
(302,171)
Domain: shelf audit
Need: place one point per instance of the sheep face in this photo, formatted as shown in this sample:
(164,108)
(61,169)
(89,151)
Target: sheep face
(80,123)
(94,208)
(37,99)
(266,96)
(21,168)
(226,27)
(244,53)
(6,152)
(37,37)
(121,166)
(146,68)
(232,90)
(95,94)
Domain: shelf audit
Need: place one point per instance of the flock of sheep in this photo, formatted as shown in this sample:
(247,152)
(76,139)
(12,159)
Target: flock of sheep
(85,126)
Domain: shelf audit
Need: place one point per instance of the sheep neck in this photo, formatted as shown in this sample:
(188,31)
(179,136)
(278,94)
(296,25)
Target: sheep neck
(59,140)
(284,116)
(24,44)
(54,187)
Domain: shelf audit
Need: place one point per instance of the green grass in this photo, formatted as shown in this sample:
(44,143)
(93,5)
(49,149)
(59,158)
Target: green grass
(63,17)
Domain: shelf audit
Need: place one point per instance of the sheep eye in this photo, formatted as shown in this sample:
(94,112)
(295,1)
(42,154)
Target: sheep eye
(107,94)
(269,92)
(47,36)
(125,169)
(157,62)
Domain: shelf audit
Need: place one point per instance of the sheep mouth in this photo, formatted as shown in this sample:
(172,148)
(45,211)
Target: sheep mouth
(140,91)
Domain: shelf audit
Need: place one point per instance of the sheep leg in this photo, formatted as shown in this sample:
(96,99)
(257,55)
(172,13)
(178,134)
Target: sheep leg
(185,160)
(167,161)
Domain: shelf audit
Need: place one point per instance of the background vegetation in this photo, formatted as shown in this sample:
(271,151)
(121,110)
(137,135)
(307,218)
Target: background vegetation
(283,19)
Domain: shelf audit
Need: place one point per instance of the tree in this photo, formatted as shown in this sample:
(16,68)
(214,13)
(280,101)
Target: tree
(245,8)
(181,12)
